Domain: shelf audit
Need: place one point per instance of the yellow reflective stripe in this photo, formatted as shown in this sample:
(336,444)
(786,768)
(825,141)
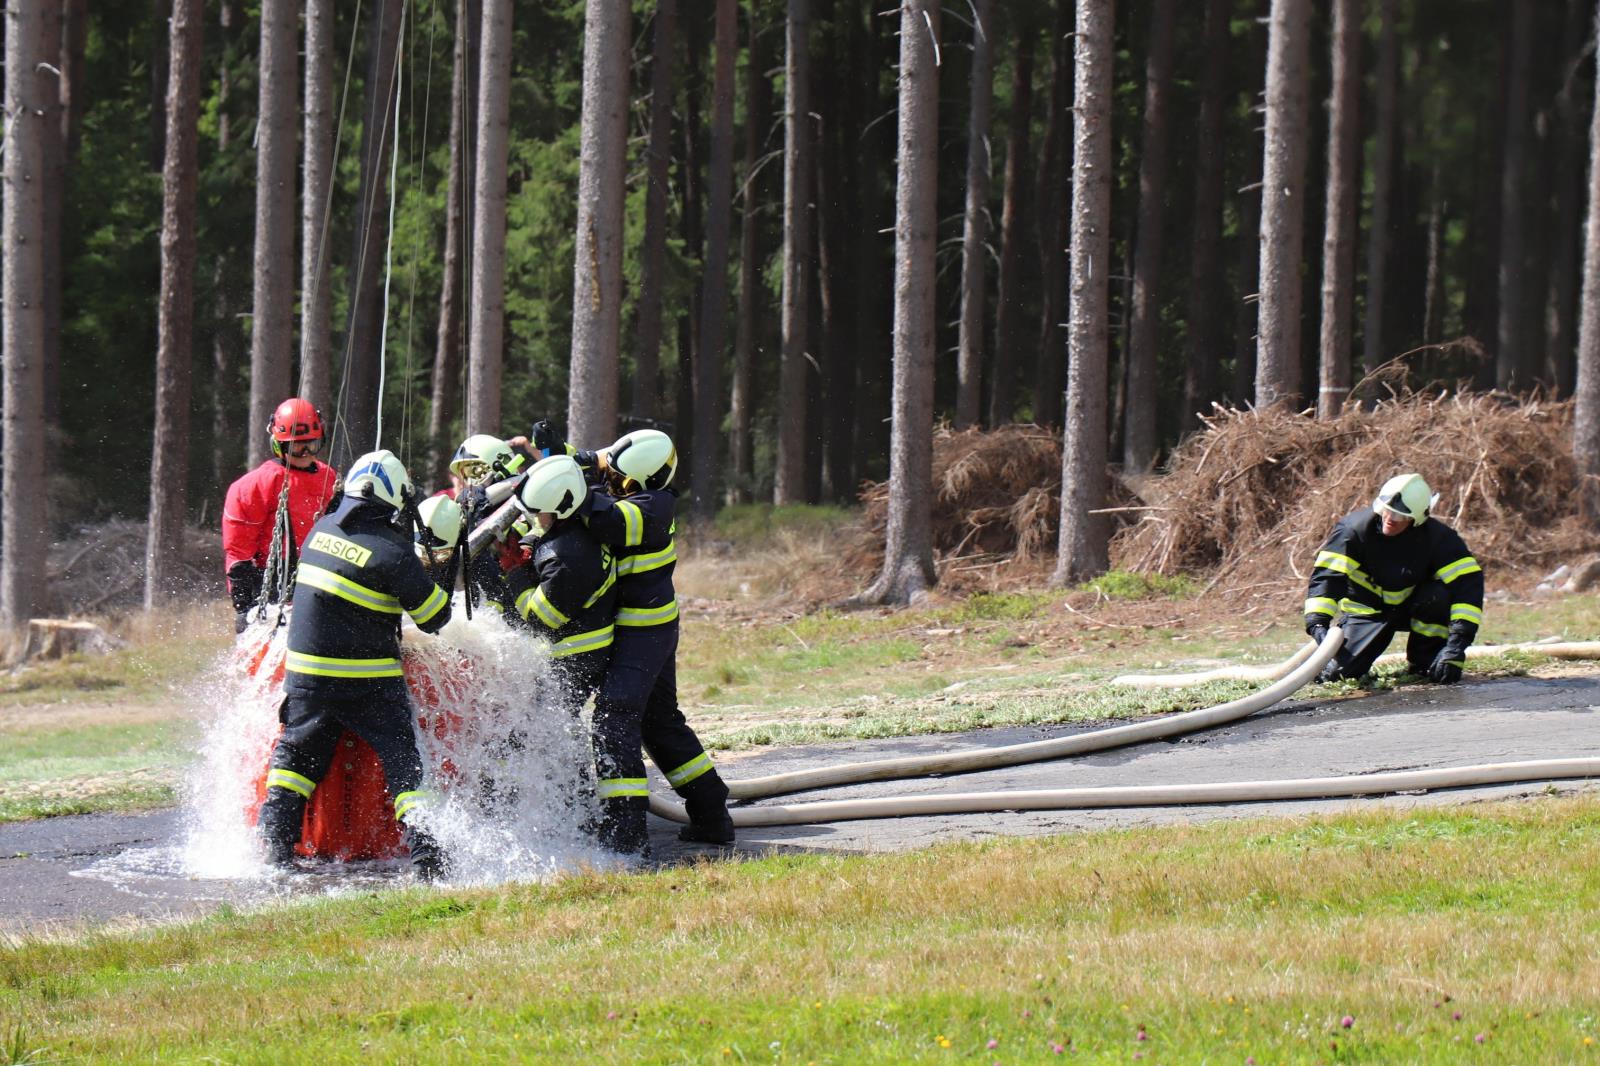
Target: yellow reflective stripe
(345,589)
(1321,605)
(1460,568)
(407,801)
(632,524)
(618,787)
(1339,564)
(540,604)
(593,640)
(647,616)
(605,586)
(689,770)
(430,606)
(1428,629)
(1466,612)
(328,666)
(298,783)
(647,561)
(1349,606)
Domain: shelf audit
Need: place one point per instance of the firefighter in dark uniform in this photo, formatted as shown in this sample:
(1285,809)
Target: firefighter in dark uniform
(358,572)
(637,704)
(1390,567)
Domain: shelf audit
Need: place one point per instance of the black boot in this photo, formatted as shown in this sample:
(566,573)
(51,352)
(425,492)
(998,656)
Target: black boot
(279,824)
(706,801)
(427,857)
(622,827)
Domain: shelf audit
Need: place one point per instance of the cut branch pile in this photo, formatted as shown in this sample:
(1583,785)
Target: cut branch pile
(99,569)
(1249,499)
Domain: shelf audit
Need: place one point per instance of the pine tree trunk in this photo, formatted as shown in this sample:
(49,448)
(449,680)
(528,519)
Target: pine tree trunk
(1008,294)
(1511,370)
(1052,196)
(653,254)
(790,475)
(272,314)
(597,272)
(228,450)
(1560,317)
(169,466)
(908,569)
(1203,339)
(316,290)
(1586,415)
(1282,205)
(741,405)
(486,310)
(708,403)
(1339,232)
(55,167)
(975,225)
(1144,332)
(359,391)
(1388,75)
(1083,548)
(28,90)
(446,377)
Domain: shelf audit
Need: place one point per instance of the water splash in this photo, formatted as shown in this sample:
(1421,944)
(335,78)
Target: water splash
(504,762)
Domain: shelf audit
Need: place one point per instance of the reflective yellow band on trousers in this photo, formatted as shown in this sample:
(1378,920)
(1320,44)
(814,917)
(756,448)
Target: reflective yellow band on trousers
(648,616)
(622,787)
(298,783)
(593,640)
(328,581)
(407,801)
(329,666)
(689,770)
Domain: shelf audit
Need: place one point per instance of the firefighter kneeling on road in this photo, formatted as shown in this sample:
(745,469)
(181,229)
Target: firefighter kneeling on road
(1389,567)
(638,700)
(357,573)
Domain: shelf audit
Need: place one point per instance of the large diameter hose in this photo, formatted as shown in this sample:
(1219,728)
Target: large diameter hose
(1150,795)
(1040,750)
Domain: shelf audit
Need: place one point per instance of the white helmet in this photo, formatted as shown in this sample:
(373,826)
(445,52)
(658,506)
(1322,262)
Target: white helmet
(442,520)
(379,476)
(479,456)
(554,484)
(1407,496)
(644,459)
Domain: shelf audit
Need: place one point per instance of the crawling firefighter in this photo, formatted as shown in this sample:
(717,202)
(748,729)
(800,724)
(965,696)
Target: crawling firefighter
(1389,567)
(357,573)
(637,705)
(275,505)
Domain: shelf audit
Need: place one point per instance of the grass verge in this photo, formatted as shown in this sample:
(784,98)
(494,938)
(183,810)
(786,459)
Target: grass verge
(87,768)
(1438,936)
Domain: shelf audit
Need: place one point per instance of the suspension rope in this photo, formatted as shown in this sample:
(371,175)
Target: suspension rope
(388,245)
(418,158)
(327,215)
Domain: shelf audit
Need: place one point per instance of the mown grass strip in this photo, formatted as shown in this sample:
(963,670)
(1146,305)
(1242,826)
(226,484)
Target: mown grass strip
(1428,930)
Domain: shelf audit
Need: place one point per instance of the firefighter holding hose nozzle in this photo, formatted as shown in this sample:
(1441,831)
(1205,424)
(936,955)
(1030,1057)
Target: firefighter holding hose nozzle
(359,572)
(1393,566)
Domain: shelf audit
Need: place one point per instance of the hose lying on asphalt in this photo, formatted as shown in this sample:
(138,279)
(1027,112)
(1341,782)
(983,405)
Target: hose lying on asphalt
(1302,668)
(1552,647)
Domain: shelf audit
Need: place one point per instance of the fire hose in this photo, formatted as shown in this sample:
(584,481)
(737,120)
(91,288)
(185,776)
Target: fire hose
(1298,671)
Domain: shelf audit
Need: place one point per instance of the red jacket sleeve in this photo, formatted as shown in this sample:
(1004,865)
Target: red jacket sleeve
(247,515)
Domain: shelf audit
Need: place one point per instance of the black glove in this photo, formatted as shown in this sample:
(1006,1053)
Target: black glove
(546,440)
(1317,631)
(244,584)
(1445,670)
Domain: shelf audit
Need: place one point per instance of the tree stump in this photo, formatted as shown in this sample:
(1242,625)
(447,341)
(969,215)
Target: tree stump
(56,638)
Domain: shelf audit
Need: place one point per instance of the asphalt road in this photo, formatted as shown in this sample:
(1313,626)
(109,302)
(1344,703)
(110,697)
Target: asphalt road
(95,869)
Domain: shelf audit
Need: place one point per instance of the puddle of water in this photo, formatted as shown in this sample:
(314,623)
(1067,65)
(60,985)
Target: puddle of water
(505,771)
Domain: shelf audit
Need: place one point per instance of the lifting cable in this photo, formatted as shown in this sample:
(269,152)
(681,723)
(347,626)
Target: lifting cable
(1298,671)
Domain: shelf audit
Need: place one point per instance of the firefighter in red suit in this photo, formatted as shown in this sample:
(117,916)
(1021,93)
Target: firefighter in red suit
(251,510)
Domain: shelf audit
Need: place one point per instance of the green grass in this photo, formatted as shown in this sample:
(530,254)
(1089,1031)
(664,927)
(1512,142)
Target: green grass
(1426,929)
(92,767)
(145,673)
(1127,585)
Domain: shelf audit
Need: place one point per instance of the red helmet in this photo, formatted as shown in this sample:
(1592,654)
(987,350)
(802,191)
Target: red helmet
(295,419)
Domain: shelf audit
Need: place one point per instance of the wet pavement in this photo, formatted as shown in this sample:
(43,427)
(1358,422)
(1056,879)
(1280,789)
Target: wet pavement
(94,869)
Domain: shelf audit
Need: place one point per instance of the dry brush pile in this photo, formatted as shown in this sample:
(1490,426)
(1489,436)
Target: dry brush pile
(1245,502)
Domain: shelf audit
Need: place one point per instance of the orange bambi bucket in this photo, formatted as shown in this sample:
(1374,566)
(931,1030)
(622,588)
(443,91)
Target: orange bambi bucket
(351,813)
